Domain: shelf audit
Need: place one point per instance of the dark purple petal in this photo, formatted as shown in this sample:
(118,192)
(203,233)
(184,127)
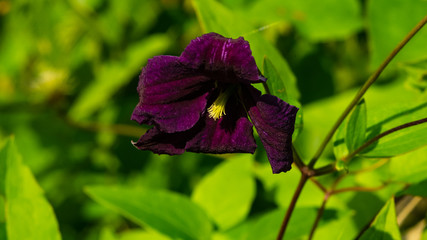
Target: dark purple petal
(165,79)
(227,59)
(171,95)
(171,117)
(166,143)
(274,121)
(230,134)
(160,143)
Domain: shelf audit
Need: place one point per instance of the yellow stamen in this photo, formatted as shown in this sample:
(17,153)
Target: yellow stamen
(217,109)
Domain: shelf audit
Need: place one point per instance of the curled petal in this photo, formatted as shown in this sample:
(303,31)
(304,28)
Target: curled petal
(171,95)
(274,121)
(165,143)
(230,134)
(225,58)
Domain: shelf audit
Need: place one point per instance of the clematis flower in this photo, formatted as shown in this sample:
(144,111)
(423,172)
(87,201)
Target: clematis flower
(201,100)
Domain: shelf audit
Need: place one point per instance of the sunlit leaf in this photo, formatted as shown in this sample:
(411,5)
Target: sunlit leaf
(169,213)
(343,19)
(2,212)
(410,167)
(28,214)
(231,180)
(139,234)
(340,146)
(267,226)
(402,141)
(385,224)
(339,228)
(390,105)
(418,189)
(356,127)
(275,82)
(389,22)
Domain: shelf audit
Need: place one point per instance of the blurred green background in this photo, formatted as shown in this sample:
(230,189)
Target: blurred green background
(69,71)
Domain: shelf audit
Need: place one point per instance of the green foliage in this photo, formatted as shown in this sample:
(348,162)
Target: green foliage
(115,74)
(344,18)
(27,214)
(68,77)
(168,213)
(409,168)
(227,192)
(389,22)
(356,127)
(384,225)
(275,82)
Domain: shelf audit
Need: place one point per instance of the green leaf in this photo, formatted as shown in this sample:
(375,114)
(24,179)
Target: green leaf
(410,167)
(393,115)
(3,169)
(169,213)
(278,88)
(139,234)
(116,74)
(28,213)
(214,17)
(356,127)
(275,82)
(340,146)
(268,225)
(390,21)
(2,210)
(232,180)
(344,18)
(385,224)
(341,166)
(390,105)
(342,227)
(418,189)
(424,234)
(3,234)
(310,196)
(108,233)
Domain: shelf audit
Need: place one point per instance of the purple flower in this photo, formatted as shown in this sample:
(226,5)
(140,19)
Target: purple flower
(200,102)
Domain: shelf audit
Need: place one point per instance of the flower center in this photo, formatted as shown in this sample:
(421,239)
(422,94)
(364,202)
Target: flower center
(217,109)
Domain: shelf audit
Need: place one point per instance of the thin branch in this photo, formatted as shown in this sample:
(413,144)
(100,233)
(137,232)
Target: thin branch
(291,207)
(359,189)
(319,214)
(364,88)
(379,136)
(297,158)
(319,185)
(325,170)
(372,167)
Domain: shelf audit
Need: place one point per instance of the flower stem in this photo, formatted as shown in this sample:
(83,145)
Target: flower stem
(325,170)
(267,89)
(376,138)
(319,214)
(297,159)
(359,189)
(364,88)
(302,181)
